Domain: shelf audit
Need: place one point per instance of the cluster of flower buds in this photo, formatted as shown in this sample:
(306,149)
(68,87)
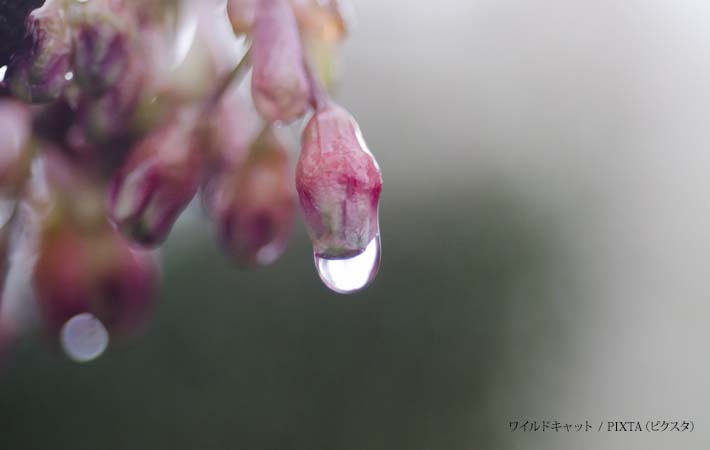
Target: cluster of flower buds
(116,147)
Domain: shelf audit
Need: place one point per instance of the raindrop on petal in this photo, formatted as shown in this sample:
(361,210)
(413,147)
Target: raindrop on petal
(349,275)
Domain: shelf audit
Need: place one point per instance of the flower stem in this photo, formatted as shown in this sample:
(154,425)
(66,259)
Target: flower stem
(319,96)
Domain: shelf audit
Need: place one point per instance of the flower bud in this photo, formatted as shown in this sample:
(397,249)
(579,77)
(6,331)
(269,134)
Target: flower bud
(156,182)
(14,137)
(253,203)
(93,271)
(338,183)
(102,37)
(38,72)
(279,83)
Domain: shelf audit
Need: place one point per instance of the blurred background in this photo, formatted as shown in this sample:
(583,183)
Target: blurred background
(546,230)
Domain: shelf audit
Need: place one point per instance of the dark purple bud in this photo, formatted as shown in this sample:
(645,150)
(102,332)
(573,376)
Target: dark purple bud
(338,183)
(156,182)
(279,85)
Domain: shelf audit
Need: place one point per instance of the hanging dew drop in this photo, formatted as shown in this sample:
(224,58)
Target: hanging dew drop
(84,338)
(349,275)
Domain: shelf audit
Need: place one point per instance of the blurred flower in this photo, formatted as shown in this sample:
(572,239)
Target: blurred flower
(339,184)
(104,37)
(324,20)
(253,203)
(324,25)
(279,82)
(157,181)
(38,72)
(111,114)
(101,55)
(93,271)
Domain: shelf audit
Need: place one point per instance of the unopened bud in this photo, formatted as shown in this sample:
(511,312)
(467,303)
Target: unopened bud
(339,184)
(279,86)
(156,182)
(253,203)
(102,37)
(95,272)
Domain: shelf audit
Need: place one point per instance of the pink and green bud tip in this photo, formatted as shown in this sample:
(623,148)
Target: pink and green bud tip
(338,183)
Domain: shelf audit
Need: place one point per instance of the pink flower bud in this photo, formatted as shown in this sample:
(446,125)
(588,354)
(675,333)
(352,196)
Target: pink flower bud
(38,73)
(14,136)
(339,184)
(253,203)
(279,83)
(156,182)
(93,271)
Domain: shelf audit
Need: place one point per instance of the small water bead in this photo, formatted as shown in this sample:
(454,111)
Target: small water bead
(84,338)
(349,275)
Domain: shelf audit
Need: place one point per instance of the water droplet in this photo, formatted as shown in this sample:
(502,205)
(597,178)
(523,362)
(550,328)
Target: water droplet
(349,275)
(3,71)
(84,338)
(69,76)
